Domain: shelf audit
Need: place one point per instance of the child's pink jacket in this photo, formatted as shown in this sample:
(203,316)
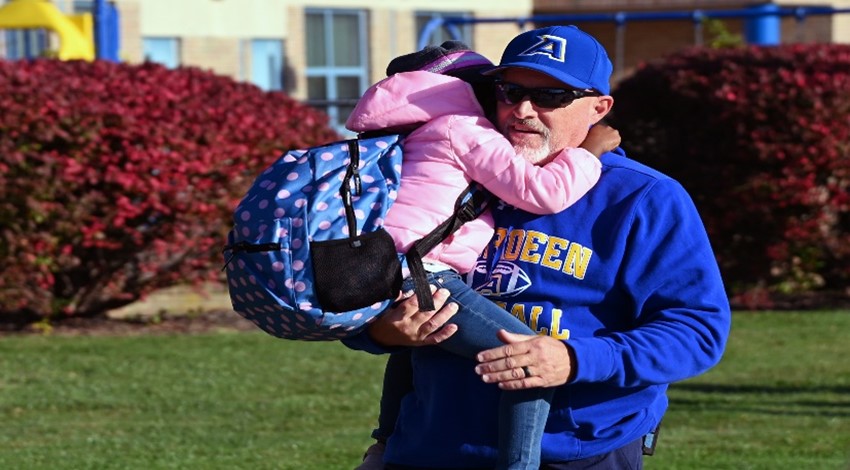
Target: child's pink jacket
(456,144)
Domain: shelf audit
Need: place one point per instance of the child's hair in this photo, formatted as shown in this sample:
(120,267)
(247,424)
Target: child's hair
(456,59)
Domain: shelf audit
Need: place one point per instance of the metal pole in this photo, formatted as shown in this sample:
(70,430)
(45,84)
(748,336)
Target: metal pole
(699,19)
(800,24)
(620,52)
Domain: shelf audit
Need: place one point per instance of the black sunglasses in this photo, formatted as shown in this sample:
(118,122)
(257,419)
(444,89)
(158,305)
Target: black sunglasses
(511,93)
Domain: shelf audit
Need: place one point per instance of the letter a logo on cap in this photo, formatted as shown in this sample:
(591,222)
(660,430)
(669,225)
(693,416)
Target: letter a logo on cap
(552,46)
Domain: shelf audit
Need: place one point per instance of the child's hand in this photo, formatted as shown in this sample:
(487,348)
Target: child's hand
(601,139)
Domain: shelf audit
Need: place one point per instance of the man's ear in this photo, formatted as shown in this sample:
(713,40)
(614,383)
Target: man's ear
(602,107)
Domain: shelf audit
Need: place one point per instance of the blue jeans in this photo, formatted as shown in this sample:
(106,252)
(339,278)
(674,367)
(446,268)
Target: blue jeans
(522,413)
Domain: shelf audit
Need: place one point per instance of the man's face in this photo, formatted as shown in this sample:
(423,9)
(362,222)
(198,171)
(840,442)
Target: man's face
(538,133)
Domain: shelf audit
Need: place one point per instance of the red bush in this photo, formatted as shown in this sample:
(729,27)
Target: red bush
(117,179)
(760,136)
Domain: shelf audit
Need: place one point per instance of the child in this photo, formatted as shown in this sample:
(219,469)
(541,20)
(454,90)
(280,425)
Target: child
(451,143)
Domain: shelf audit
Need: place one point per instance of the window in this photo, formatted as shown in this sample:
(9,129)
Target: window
(83,6)
(267,64)
(165,51)
(25,43)
(336,61)
(443,33)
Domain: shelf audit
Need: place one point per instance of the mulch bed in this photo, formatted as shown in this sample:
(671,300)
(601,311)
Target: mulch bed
(218,320)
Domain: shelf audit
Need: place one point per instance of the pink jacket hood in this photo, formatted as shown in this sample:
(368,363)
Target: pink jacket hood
(412,98)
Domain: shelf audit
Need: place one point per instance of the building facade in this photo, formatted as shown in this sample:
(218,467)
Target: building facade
(327,52)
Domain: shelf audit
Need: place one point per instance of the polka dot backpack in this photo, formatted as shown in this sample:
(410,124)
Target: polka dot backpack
(307,257)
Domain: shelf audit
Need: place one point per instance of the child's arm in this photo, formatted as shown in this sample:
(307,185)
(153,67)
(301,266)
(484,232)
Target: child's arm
(600,139)
(492,161)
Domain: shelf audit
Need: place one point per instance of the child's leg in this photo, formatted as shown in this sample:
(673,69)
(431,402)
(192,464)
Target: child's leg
(398,382)
(522,413)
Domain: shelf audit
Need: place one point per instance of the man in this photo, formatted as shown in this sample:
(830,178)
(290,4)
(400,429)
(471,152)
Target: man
(622,288)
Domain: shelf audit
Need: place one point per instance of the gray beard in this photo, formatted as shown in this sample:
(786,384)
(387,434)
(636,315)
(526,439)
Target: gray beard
(537,155)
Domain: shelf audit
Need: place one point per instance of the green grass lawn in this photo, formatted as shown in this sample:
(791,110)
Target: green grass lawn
(779,399)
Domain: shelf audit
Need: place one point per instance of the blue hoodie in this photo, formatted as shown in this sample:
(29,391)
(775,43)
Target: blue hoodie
(626,276)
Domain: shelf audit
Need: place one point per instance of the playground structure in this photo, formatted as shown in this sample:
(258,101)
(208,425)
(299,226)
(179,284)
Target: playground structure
(83,36)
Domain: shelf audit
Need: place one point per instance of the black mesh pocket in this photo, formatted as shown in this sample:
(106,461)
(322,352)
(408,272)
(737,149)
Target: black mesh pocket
(355,272)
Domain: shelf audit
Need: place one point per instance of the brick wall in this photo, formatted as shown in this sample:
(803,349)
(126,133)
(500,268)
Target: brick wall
(131,32)
(585,6)
(221,55)
(490,39)
(295,52)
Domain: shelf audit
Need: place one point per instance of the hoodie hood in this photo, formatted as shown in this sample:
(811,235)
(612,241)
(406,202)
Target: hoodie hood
(412,98)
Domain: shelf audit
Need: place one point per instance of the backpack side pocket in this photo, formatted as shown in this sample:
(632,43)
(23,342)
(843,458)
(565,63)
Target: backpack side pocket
(356,272)
(260,273)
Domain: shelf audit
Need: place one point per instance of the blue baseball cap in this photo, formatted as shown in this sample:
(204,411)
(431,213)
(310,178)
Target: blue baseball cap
(565,53)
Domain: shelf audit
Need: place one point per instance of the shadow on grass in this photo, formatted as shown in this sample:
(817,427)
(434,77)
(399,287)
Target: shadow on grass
(777,400)
(761,389)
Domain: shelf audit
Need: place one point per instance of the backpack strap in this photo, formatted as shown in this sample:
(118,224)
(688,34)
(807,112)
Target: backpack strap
(379,133)
(471,203)
(352,175)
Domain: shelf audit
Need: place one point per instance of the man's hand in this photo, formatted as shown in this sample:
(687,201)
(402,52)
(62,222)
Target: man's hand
(548,362)
(405,325)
